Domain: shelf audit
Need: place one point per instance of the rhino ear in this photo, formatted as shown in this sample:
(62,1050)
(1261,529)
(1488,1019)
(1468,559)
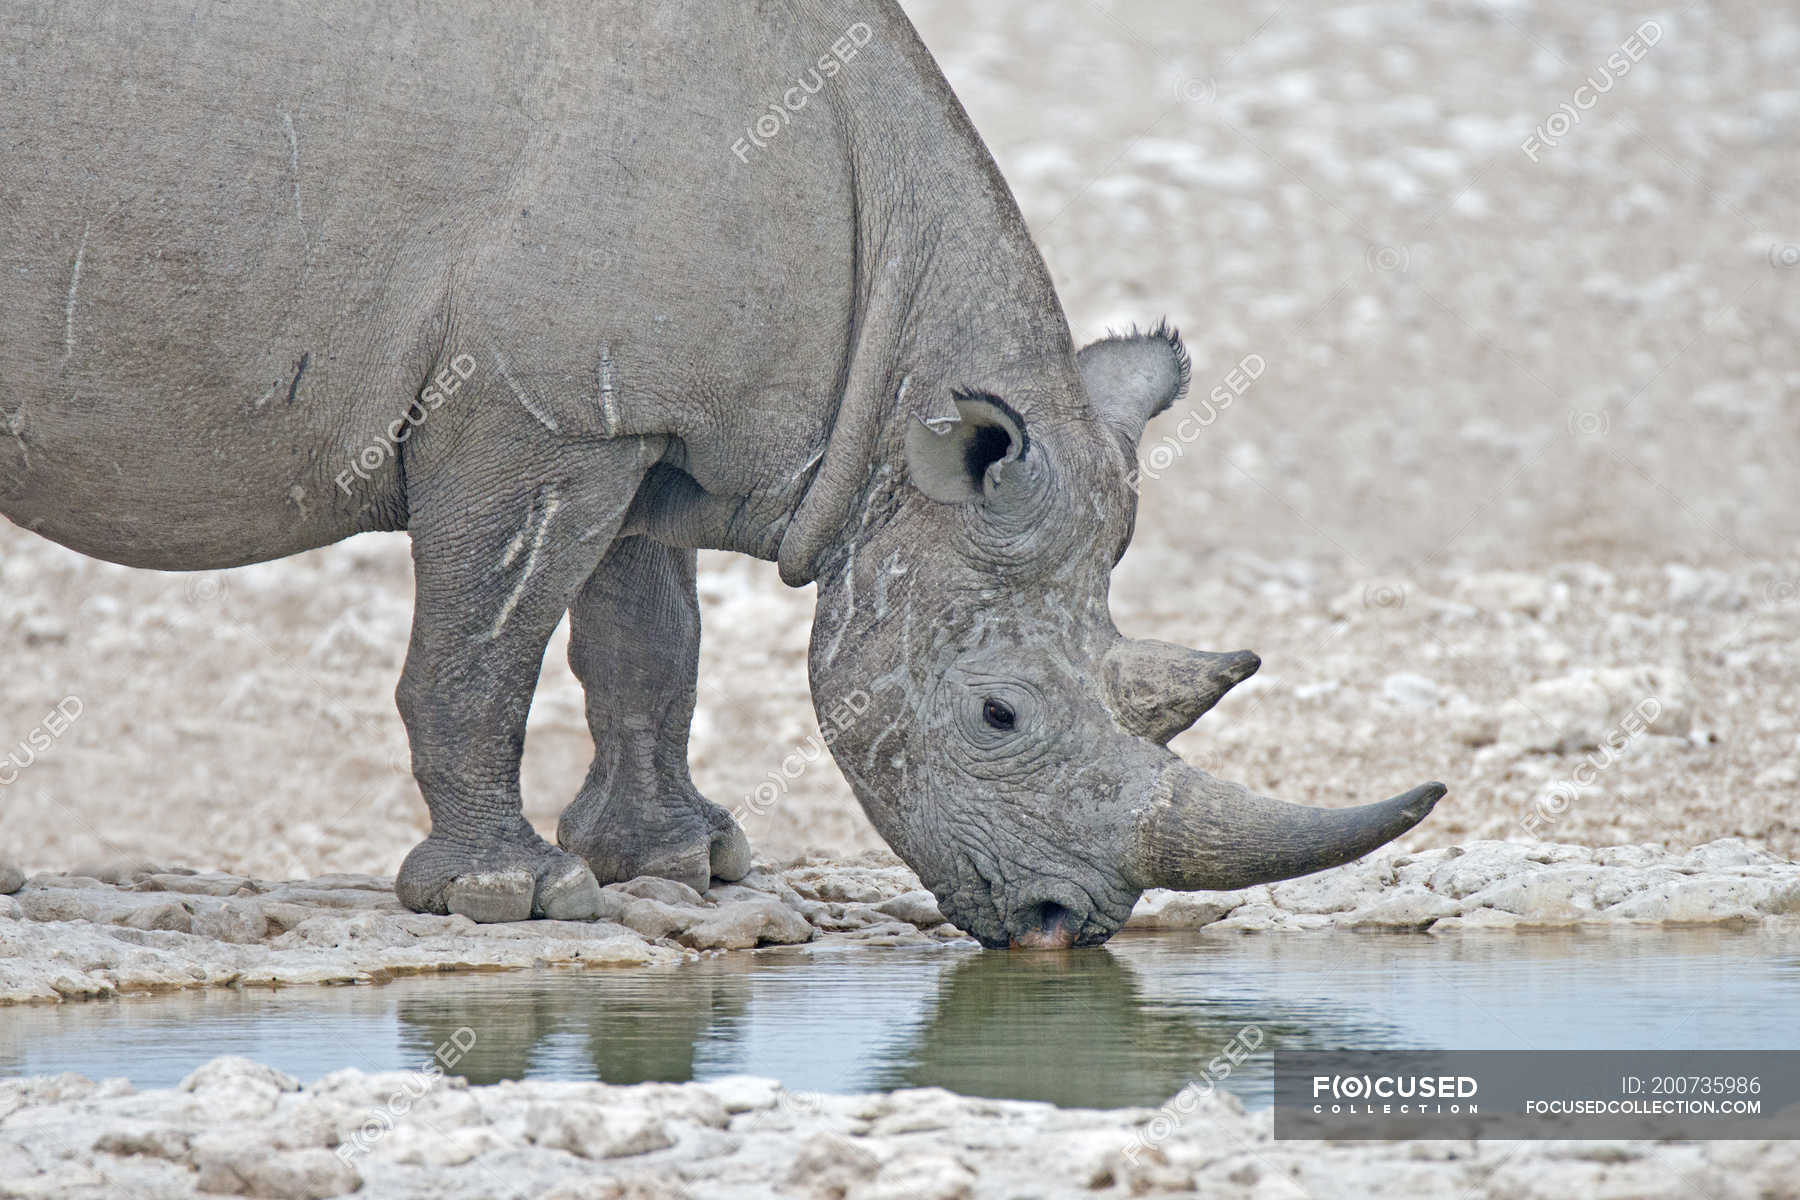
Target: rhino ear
(956,459)
(1132,377)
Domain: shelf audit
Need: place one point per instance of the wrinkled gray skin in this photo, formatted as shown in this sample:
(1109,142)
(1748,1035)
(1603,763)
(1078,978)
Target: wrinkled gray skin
(240,241)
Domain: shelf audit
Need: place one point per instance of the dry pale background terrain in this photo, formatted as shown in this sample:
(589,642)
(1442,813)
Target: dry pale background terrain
(1519,421)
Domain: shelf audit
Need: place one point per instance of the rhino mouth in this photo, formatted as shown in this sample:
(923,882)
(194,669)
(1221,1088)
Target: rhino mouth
(1048,926)
(1037,916)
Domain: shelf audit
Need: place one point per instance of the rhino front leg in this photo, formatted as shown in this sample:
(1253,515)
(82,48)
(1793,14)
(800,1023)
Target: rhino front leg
(503,539)
(635,645)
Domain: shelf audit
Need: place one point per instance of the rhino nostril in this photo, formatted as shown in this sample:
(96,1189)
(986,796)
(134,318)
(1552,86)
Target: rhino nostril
(1051,917)
(1047,925)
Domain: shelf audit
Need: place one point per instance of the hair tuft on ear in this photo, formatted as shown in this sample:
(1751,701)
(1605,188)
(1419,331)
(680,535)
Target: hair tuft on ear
(1132,376)
(1184,362)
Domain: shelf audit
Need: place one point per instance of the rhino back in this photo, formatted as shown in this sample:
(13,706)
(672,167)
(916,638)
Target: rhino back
(237,239)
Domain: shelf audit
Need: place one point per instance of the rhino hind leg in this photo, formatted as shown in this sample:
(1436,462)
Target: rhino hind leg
(502,542)
(635,645)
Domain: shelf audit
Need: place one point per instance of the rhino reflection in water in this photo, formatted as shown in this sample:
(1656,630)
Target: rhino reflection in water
(497,276)
(1072,1029)
(637,1034)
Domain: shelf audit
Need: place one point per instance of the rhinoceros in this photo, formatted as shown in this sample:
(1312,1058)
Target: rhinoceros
(569,291)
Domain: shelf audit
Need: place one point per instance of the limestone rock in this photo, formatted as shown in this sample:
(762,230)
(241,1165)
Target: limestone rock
(669,891)
(1326,892)
(1697,901)
(830,1164)
(1254,917)
(764,922)
(118,871)
(240,922)
(658,919)
(920,1176)
(1480,865)
(283,1175)
(745,1093)
(915,908)
(590,1131)
(237,1089)
(11,878)
(1724,854)
(166,1142)
(1511,592)
(1406,907)
(1405,690)
(204,883)
(1556,896)
(1161,909)
(1577,712)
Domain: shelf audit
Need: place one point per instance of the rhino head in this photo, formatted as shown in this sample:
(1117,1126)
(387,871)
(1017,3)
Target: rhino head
(1012,746)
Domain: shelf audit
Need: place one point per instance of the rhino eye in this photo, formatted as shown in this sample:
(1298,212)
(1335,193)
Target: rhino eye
(998,714)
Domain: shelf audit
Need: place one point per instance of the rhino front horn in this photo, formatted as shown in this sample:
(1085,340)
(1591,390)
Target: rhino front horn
(1158,689)
(1203,834)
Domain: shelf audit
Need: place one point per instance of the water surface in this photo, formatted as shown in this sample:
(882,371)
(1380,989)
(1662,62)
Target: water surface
(1129,1023)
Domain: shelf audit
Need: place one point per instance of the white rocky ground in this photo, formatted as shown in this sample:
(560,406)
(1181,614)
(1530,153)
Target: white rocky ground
(239,1128)
(136,928)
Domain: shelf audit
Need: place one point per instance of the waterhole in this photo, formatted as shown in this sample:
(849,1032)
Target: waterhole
(1127,1024)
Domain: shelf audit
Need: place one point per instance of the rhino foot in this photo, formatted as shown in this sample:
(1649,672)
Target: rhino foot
(684,837)
(496,881)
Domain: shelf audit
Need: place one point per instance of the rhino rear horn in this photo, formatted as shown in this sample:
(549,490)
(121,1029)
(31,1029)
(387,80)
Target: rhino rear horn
(1158,689)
